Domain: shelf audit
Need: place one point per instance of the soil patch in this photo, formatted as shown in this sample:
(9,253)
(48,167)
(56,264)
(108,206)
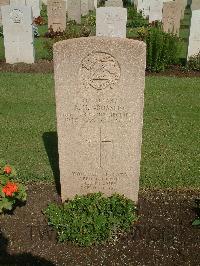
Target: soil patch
(162,236)
(45,66)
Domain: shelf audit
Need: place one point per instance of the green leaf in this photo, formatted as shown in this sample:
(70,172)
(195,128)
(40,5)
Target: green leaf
(196,222)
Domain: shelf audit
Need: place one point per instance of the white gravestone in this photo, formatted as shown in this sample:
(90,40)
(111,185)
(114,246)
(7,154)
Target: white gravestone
(84,7)
(95,4)
(194,39)
(145,8)
(111,21)
(74,10)
(155,10)
(18,34)
(35,4)
(116,3)
(139,5)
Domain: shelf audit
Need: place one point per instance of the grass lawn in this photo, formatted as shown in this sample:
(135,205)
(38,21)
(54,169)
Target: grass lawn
(170,137)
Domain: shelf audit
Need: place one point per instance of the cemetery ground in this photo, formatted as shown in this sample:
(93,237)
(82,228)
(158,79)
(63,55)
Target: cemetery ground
(168,187)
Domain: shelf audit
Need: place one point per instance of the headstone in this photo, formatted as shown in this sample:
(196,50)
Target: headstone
(111,21)
(171,17)
(195,5)
(84,7)
(139,5)
(181,6)
(99,85)
(18,34)
(36,5)
(56,10)
(95,4)
(74,10)
(145,8)
(155,10)
(194,39)
(17,2)
(3,3)
(114,3)
(91,4)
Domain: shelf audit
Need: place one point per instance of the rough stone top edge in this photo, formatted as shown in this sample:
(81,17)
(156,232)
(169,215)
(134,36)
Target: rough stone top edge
(59,45)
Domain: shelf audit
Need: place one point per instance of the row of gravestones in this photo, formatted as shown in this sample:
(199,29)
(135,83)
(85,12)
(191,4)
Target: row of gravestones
(110,22)
(170,14)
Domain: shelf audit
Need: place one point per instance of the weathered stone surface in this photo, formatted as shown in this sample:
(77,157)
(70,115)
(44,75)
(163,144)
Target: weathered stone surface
(155,10)
(99,84)
(56,10)
(111,21)
(17,2)
(91,4)
(3,3)
(74,10)
(84,7)
(36,5)
(18,34)
(145,8)
(195,5)
(194,39)
(171,17)
(114,3)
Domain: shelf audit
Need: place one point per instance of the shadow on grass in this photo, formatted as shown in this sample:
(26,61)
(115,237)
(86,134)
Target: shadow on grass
(20,259)
(50,140)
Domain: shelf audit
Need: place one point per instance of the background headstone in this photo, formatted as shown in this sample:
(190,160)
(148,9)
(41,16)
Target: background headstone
(117,3)
(36,5)
(111,21)
(84,7)
(195,5)
(145,8)
(99,85)
(74,10)
(17,2)
(56,11)
(155,10)
(91,4)
(194,39)
(3,3)
(171,17)
(18,34)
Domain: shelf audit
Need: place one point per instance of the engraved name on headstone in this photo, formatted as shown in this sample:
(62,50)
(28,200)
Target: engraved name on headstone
(99,85)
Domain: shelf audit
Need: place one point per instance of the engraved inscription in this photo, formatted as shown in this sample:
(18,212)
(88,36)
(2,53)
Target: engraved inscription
(16,16)
(99,71)
(107,181)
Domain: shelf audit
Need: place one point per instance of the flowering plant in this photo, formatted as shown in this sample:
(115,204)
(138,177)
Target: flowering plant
(11,192)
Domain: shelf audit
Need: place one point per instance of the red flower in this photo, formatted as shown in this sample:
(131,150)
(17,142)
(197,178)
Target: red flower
(7,170)
(9,189)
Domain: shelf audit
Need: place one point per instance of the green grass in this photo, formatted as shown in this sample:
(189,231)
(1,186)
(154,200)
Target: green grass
(170,136)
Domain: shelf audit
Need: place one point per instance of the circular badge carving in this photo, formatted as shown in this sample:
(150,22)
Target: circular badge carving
(16,16)
(99,71)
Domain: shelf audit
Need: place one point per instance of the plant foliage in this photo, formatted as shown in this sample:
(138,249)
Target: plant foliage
(194,62)
(162,48)
(91,219)
(197,209)
(135,19)
(11,192)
